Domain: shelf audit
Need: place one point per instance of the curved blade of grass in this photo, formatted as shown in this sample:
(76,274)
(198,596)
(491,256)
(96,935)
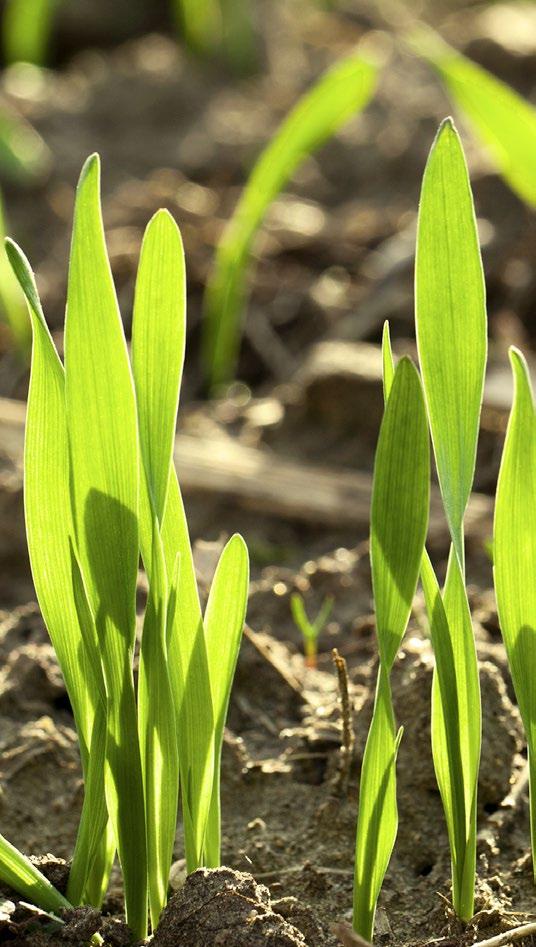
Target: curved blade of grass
(451,322)
(456,723)
(341,92)
(455,731)
(158,340)
(503,121)
(102,425)
(58,585)
(18,872)
(158,736)
(225,615)
(452,342)
(399,520)
(12,299)
(514,546)
(399,511)
(158,337)
(377,822)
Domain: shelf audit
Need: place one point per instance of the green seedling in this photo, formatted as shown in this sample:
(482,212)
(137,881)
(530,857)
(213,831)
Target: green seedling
(501,119)
(310,630)
(218,27)
(452,344)
(340,93)
(26,30)
(13,305)
(101,489)
(514,548)
(398,521)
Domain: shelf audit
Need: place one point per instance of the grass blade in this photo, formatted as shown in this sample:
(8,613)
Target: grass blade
(399,511)
(26,29)
(504,122)
(158,736)
(18,872)
(102,425)
(452,342)
(225,615)
(56,578)
(158,340)
(450,321)
(514,548)
(341,92)
(158,334)
(399,520)
(158,337)
(12,300)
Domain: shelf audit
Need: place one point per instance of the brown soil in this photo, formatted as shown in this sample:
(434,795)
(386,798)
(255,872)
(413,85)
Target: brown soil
(336,259)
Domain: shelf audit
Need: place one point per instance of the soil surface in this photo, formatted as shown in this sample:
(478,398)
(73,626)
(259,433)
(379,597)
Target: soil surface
(334,259)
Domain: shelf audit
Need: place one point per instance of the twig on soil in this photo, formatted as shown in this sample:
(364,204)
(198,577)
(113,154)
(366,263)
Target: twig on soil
(348,738)
(509,937)
(347,936)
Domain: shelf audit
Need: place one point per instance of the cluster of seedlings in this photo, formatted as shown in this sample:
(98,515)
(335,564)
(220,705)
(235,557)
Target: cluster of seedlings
(101,491)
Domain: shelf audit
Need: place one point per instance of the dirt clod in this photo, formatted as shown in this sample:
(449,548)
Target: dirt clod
(224,908)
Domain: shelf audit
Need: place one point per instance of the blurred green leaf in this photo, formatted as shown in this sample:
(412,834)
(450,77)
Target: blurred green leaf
(514,547)
(342,91)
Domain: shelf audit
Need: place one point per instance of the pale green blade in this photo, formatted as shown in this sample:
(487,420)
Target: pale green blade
(102,425)
(158,736)
(399,511)
(503,121)
(399,520)
(342,91)
(18,872)
(388,372)
(158,354)
(190,681)
(224,622)
(12,299)
(26,29)
(451,321)
(377,821)
(61,598)
(158,339)
(456,723)
(514,557)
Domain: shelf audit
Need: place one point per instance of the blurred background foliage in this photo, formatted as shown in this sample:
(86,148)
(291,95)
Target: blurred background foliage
(181,98)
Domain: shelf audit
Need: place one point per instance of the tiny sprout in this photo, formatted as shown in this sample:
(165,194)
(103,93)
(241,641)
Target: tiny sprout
(310,630)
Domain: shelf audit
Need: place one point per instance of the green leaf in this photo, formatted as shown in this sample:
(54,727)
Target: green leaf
(158,736)
(55,572)
(18,872)
(503,121)
(388,372)
(225,615)
(158,340)
(514,545)
(399,520)
(103,438)
(456,723)
(158,336)
(12,299)
(399,511)
(341,92)
(450,321)
(377,821)
(26,29)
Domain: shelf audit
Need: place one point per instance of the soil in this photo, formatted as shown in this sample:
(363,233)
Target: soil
(335,259)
